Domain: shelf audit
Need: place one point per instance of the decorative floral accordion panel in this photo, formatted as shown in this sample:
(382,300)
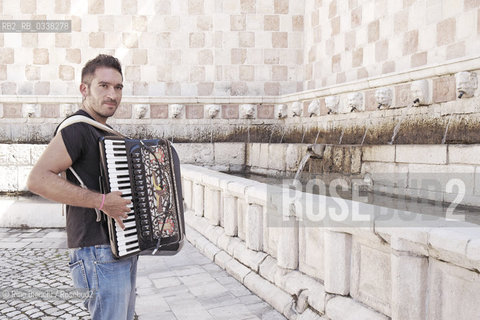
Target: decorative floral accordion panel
(160,190)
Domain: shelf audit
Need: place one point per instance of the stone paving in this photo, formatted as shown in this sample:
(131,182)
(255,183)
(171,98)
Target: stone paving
(185,286)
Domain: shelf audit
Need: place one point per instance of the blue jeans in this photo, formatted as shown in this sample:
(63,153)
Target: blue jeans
(111,281)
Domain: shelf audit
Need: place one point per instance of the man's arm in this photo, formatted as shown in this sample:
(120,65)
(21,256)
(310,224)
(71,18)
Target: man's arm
(45,181)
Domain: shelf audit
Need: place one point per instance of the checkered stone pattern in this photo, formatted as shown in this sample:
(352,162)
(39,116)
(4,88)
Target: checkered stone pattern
(167,47)
(351,40)
(31,268)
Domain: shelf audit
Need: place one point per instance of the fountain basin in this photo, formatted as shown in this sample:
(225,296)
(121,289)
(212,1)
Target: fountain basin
(263,232)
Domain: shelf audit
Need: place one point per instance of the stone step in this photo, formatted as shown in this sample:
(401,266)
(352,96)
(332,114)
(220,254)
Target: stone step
(30,212)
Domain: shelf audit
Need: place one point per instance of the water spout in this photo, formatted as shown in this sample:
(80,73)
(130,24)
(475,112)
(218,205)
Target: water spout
(302,164)
(341,136)
(303,134)
(416,102)
(444,139)
(395,131)
(271,135)
(461,94)
(397,126)
(364,136)
(283,134)
(316,138)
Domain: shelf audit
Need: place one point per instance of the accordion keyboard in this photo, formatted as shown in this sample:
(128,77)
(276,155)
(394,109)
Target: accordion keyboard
(119,180)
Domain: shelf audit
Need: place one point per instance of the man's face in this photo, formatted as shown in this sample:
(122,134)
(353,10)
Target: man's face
(103,94)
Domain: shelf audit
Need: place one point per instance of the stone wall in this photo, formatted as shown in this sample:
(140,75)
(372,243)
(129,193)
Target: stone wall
(234,47)
(343,114)
(167,48)
(372,268)
(436,173)
(351,40)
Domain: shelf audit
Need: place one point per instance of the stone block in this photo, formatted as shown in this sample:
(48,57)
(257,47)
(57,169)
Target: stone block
(343,308)
(254,227)
(237,270)
(159,111)
(464,154)
(212,205)
(379,153)
(66,73)
(230,111)
(265,111)
(271,23)
(40,56)
(338,250)
(444,89)
(268,268)
(409,286)
(279,39)
(212,233)
(230,217)
(242,207)
(197,40)
(194,111)
(264,155)
(371,281)
(19,154)
(246,39)
(222,259)
(451,244)
(253,155)
(229,153)
(288,246)
(250,258)
(32,72)
(273,295)
(187,189)
(210,251)
(9,181)
(426,154)
(293,155)
(453,292)
(276,156)
(311,251)
(197,153)
(198,196)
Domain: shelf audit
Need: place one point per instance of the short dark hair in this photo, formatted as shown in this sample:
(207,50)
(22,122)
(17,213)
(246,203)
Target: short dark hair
(102,60)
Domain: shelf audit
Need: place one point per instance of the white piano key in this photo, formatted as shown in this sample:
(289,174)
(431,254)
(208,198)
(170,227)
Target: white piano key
(114,143)
(127,238)
(125,252)
(115,171)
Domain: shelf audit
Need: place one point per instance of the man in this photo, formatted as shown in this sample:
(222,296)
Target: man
(91,264)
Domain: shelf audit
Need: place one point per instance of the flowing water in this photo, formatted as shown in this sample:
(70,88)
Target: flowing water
(302,164)
(444,139)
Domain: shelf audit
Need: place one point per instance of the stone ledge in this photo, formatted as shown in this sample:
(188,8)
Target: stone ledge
(279,286)
(30,212)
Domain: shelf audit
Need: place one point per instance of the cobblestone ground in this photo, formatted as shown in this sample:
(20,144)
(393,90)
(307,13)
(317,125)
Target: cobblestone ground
(43,270)
(187,286)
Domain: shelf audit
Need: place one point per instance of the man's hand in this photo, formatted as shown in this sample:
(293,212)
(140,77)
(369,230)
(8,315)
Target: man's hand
(116,207)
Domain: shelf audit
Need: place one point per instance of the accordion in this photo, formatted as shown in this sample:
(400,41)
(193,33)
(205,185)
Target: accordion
(148,173)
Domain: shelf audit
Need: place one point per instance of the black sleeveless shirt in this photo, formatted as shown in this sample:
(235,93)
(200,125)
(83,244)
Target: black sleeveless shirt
(81,141)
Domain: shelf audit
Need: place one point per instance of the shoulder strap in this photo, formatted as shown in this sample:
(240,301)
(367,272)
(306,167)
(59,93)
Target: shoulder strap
(79,118)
